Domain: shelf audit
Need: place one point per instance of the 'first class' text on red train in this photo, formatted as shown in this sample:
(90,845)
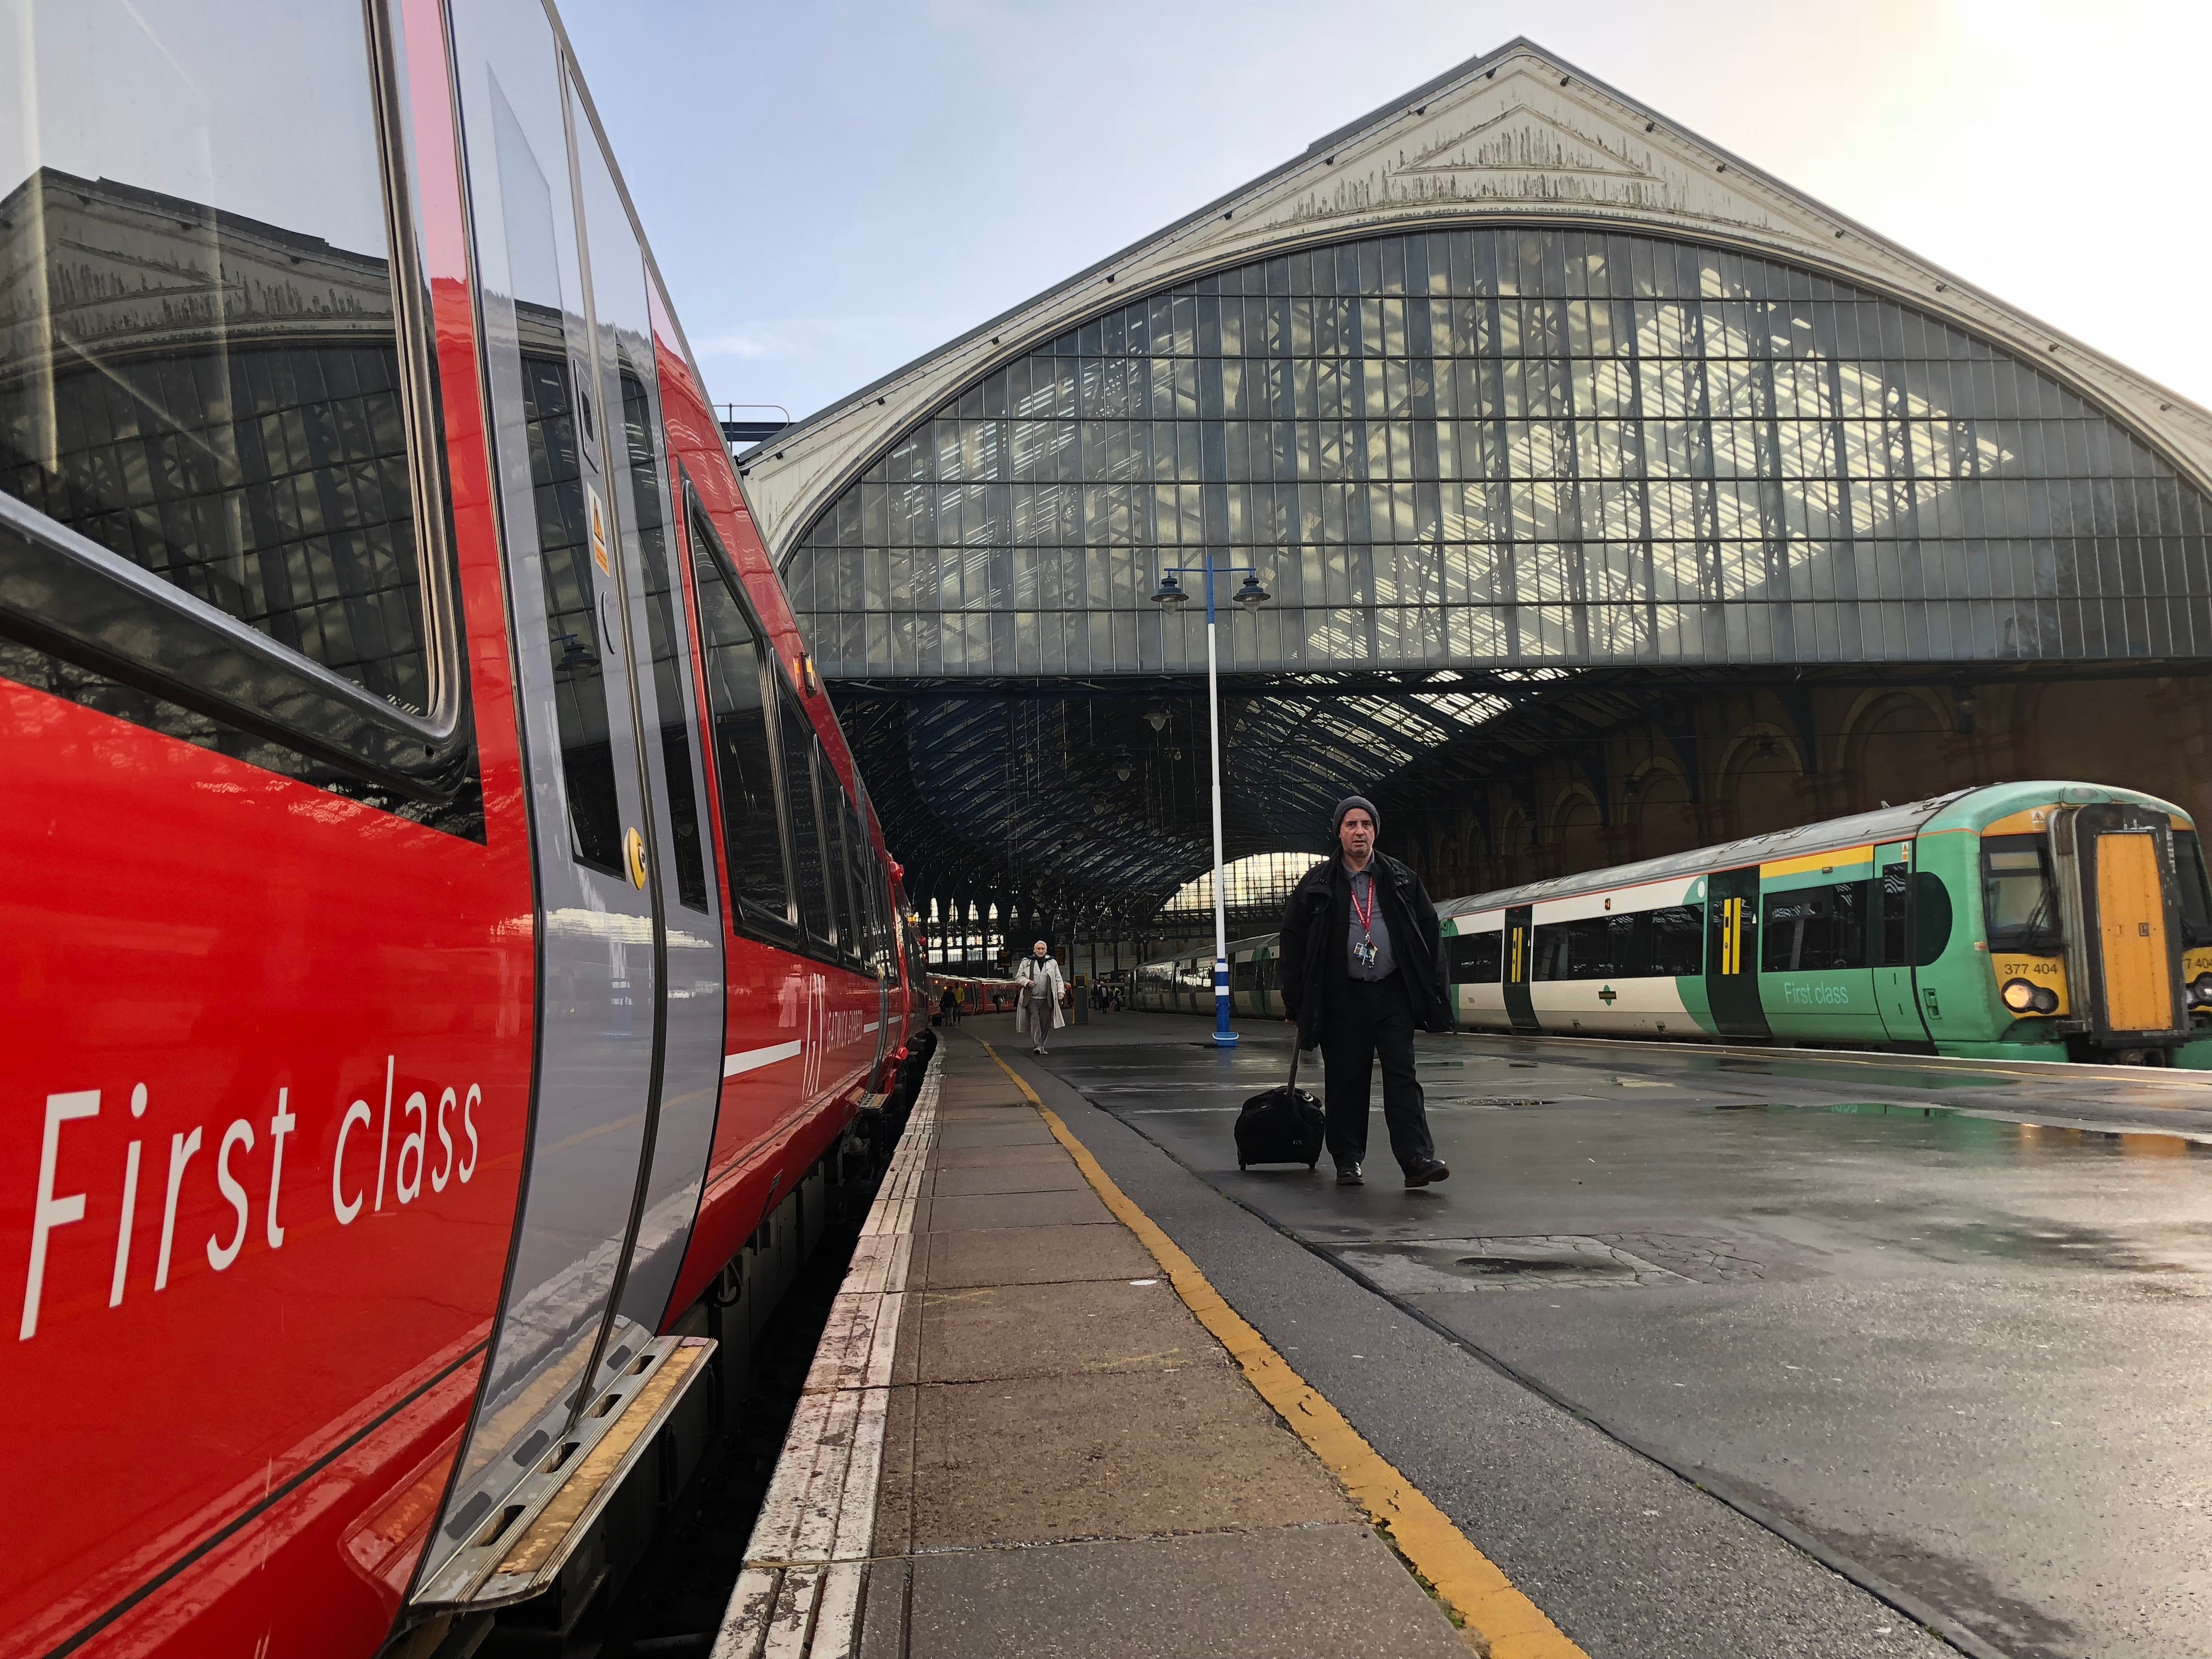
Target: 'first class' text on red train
(366,1168)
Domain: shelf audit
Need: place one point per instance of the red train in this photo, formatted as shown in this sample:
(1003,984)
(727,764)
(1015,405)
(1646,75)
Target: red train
(448,949)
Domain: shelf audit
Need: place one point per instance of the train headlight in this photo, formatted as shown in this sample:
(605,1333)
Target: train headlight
(2200,989)
(2046,1000)
(2019,995)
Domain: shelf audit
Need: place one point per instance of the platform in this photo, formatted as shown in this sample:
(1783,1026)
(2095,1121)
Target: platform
(1017,1440)
(1696,1353)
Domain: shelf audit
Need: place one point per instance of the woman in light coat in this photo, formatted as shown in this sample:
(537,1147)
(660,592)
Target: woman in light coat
(1038,988)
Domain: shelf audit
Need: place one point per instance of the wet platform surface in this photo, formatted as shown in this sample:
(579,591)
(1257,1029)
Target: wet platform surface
(1018,1443)
(1947,1331)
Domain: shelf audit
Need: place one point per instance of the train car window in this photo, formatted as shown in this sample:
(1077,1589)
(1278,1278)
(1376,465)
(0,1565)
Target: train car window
(811,864)
(879,932)
(854,940)
(1241,976)
(571,620)
(864,907)
(1624,947)
(1931,917)
(555,442)
(886,922)
(640,425)
(1672,941)
(1894,888)
(1475,958)
(836,872)
(1596,938)
(2019,903)
(1589,947)
(835,866)
(209,503)
(745,767)
(1814,928)
(2196,894)
(1547,953)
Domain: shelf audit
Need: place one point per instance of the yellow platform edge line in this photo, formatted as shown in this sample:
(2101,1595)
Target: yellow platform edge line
(1465,1578)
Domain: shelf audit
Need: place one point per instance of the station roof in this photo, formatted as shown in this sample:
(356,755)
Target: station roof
(1518,133)
(1004,764)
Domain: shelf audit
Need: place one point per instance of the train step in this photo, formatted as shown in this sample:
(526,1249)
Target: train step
(521,1548)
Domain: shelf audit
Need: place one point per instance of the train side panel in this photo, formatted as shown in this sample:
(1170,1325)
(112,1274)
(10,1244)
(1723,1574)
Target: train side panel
(1816,927)
(270,1037)
(802,1034)
(275,986)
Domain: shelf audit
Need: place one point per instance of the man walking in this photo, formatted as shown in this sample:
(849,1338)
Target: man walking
(1037,987)
(1361,959)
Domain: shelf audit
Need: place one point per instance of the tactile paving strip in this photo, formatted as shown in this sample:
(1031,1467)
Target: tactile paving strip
(798,1595)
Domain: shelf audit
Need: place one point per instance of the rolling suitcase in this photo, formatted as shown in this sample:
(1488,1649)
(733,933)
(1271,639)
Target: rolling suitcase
(1283,1126)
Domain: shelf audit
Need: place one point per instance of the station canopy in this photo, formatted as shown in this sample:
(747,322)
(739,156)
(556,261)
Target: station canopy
(1528,409)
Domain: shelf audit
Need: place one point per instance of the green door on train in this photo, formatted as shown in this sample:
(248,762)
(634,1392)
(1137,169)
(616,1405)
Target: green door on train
(1893,949)
(1732,953)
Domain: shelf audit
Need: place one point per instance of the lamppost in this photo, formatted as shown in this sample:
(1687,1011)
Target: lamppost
(1170,595)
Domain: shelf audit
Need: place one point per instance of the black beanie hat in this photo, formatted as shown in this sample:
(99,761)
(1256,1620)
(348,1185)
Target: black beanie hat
(1349,802)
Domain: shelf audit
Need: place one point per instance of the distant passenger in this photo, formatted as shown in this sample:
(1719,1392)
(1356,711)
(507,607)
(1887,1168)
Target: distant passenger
(1038,986)
(948,1007)
(1362,965)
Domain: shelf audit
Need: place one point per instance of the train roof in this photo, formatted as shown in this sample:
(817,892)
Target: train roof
(1883,824)
(1200,953)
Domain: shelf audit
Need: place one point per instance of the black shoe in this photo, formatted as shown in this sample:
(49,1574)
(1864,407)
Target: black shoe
(1428,1173)
(1348,1175)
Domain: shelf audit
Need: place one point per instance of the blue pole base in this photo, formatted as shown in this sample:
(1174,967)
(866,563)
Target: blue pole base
(1223,1037)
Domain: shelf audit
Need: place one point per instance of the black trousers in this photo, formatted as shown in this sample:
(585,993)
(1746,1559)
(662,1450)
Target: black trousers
(1366,1018)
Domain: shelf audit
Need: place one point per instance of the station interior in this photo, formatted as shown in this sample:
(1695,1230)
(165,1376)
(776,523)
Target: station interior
(1588,533)
(1565,488)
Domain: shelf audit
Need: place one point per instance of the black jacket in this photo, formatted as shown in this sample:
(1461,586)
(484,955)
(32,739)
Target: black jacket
(1311,951)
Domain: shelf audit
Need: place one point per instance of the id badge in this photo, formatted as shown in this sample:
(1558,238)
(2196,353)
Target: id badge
(1365,952)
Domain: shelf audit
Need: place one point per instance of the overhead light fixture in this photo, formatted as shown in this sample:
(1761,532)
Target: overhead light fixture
(1169,592)
(1157,716)
(1121,769)
(575,655)
(1251,593)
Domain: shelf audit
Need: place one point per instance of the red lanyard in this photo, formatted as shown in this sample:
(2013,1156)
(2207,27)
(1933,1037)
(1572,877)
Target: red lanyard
(1366,916)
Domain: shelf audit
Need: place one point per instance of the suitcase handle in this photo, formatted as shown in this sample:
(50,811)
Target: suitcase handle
(1293,1083)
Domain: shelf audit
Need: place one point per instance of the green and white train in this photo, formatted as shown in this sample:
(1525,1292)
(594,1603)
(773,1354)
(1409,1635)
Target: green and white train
(2043,920)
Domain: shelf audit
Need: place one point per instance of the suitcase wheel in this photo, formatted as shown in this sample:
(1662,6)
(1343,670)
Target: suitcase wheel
(1315,1165)
(1241,1164)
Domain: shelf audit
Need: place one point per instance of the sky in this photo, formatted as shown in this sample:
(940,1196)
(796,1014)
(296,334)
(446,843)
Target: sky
(832,189)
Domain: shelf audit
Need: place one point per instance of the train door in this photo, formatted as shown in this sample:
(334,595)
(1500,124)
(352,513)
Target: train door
(600,823)
(688,930)
(883,939)
(2132,934)
(2116,867)
(1732,953)
(1894,987)
(1519,957)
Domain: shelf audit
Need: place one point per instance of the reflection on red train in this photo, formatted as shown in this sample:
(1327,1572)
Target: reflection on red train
(972,995)
(450,950)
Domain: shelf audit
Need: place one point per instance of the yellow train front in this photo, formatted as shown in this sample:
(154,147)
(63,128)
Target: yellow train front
(2042,921)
